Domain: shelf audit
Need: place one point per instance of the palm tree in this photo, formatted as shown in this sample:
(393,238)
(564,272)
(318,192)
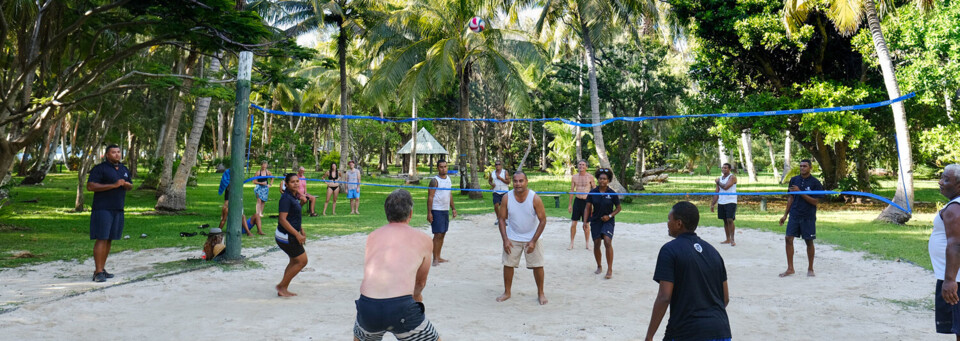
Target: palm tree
(348,18)
(847,16)
(427,46)
(592,21)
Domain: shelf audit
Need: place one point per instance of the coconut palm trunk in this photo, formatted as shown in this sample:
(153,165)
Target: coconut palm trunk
(344,95)
(595,106)
(747,141)
(904,194)
(174,197)
(169,148)
(464,73)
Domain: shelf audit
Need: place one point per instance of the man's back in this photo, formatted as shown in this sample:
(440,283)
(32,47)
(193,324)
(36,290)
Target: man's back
(394,255)
(697,308)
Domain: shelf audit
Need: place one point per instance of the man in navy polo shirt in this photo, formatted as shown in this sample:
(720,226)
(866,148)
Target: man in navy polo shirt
(802,209)
(693,283)
(109,182)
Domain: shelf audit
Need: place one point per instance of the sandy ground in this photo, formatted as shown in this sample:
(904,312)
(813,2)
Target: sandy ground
(852,297)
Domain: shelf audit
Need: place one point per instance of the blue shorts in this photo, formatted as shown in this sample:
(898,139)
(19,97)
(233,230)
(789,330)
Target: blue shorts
(599,228)
(497,197)
(106,224)
(441,221)
(402,316)
(805,228)
(353,194)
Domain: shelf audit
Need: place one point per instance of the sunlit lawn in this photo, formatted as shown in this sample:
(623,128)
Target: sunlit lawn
(50,230)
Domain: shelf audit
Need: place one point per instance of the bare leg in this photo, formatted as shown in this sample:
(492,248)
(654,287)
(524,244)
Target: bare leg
(437,246)
(258,220)
(732,233)
(313,204)
(586,233)
(597,256)
(336,193)
(810,253)
(293,268)
(101,248)
(726,232)
(223,214)
(327,201)
(507,283)
(608,244)
(789,248)
(573,233)
(538,276)
(260,205)
(496,212)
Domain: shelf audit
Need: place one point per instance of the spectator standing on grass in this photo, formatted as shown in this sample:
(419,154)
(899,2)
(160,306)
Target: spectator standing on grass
(944,248)
(726,183)
(109,181)
(693,283)
(333,187)
(802,209)
(262,190)
(500,184)
(353,187)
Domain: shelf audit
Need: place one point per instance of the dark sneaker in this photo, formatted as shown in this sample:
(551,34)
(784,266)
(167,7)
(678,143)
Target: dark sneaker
(100,277)
(107,274)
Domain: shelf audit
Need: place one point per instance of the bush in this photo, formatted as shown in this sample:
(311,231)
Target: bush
(73,163)
(328,158)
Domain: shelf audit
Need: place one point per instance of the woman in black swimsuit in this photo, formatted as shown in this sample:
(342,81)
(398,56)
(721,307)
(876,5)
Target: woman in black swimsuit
(332,188)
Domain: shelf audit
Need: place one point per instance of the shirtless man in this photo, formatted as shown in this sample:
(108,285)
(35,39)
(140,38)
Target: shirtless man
(581,182)
(396,264)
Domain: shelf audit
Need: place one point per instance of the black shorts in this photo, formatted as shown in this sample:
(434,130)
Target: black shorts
(293,248)
(579,206)
(497,197)
(727,211)
(946,315)
(106,224)
(805,228)
(226,194)
(599,228)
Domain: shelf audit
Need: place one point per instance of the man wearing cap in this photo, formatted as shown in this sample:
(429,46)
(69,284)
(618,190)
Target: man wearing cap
(109,181)
(500,184)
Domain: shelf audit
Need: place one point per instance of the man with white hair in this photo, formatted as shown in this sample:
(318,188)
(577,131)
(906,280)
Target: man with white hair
(944,248)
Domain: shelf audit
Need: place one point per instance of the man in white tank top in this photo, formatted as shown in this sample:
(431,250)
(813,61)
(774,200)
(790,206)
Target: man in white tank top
(522,220)
(944,248)
(439,205)
(500,184)
(726,183)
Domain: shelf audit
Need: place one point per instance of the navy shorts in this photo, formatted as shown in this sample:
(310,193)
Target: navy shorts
(598,229)
(947,316)
(402,316)
(579,206)
(441,221)
(293,248)
(727,211)
(804,228)
(106,224)
(497,197)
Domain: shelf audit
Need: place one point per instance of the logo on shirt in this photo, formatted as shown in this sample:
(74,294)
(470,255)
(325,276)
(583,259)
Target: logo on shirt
(696,246)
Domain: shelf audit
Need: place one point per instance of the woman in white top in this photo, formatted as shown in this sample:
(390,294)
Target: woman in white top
(726,183)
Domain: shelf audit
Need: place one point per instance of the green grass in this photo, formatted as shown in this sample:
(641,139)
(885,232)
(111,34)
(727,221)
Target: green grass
(50,231)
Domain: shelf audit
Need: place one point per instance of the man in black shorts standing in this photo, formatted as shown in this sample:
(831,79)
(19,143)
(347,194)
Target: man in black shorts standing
(693,283)
(582,182)
(109,181)
(802,209)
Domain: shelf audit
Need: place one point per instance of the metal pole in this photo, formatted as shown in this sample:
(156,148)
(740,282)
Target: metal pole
(235,206)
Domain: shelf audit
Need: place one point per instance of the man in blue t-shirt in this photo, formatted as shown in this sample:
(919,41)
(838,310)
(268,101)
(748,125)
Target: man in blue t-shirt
(693,283)
(109,181)
(802,209)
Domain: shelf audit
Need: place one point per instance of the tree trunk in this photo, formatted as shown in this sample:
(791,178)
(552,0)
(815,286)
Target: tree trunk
(543,146)
(99,128)
(39,170)
(173,126)
(787,147)
(773,160)
(904,194)
(412,171)
(577,131)
(948,102)
(132,154)
(747,139)
(174,198)
(722,152)
(464,73)
(530,142)
(344,94)
(595,107)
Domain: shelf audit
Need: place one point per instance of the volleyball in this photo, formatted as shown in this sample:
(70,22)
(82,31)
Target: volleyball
(476,24)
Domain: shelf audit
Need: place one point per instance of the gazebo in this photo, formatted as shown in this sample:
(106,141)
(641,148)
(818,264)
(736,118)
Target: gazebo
(426,145)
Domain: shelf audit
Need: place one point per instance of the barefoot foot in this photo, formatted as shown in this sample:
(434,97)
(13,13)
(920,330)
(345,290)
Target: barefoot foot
(725,241)
(609,274)
(503,297)
(570,247)
(542,299)
(441,260)
(810,273)
(786,273)
(282,292)
(599,270)
(733,243)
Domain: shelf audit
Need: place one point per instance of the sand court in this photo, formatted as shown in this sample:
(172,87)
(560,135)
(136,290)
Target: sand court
(852,297)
